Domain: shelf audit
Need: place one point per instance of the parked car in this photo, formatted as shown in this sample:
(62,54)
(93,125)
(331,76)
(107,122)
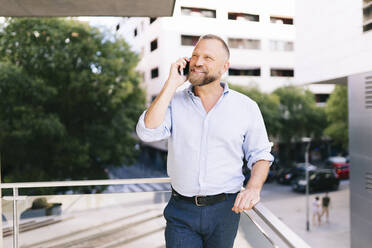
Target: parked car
(247,174)
(287,175)
(319,180)
(341,166)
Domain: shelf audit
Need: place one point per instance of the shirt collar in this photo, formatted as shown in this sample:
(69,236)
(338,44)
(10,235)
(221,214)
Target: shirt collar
(225,86)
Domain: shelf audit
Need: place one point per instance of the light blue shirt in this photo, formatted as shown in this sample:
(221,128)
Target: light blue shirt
(206,150)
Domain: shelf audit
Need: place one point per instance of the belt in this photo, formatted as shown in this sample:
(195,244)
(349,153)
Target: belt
(201,200)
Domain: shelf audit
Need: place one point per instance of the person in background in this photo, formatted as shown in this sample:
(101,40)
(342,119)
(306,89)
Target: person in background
(326,202)
(316,211)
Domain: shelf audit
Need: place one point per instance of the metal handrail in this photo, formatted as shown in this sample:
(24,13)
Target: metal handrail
(52,184)
(279,228)
(283,231)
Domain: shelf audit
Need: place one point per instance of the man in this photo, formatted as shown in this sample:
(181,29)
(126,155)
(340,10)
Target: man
(326,201)
(210,129)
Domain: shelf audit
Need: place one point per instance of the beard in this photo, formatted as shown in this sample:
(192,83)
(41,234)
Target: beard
(204,78)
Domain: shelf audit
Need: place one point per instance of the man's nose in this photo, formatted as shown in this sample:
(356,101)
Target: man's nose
(199,61)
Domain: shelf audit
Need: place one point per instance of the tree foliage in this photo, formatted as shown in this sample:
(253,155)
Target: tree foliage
(70,100)
(337,116)
(300,117)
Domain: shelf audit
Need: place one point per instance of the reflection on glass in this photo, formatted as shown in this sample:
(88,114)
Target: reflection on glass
(99,220)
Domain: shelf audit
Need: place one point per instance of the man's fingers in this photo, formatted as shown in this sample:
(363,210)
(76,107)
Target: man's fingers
(252,203)
(243,204)
(237,202)
(182,61)
(245,200)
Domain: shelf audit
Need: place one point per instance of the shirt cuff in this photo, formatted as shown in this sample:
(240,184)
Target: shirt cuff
(260,156)
(150,134)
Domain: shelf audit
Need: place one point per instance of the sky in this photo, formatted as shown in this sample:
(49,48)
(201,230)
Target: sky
(102,21)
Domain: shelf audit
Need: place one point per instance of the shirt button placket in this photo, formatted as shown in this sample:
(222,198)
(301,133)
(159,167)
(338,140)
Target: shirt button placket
(203,155)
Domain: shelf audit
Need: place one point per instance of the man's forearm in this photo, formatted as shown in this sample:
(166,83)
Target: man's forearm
(258,175)
(249,197)
(155,114)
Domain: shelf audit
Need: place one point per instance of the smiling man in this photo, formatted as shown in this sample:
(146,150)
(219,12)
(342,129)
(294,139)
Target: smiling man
(210,129)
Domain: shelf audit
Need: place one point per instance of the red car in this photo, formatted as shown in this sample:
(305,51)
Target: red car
(340,165)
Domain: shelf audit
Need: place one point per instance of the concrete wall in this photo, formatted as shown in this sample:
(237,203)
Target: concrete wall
(360,131)
(330,42)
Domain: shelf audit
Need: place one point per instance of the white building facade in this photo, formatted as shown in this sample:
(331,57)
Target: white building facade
(260,35)
(334,46)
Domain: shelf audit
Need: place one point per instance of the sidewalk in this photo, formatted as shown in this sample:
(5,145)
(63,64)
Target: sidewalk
(290,207)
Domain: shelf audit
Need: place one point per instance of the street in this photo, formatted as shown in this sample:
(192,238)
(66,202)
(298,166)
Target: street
(290,207)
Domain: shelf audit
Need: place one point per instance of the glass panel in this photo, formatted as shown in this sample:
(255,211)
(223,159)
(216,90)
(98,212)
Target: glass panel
(7,221)
(95,220)
(277,45)
(244,72)
(249,235)
(109,220)
(198,12)
(189,40)
(281,20)
(243,17)
(244,43)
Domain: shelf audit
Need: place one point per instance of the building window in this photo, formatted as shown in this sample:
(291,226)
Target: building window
(244,43)
(245,72)
(279,45)
(243,17)
(367,15)
(189,40)
(210,13)
(155,73)
(282,72)
(154,45)
(281,20)
(152,19)
(135,32)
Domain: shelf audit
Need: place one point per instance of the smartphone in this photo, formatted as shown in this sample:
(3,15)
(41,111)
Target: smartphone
(185,70)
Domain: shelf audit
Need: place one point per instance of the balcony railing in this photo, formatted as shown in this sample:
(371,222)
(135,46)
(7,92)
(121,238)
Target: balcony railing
(117,219)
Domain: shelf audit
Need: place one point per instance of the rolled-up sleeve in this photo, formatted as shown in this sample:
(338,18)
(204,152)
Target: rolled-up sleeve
(256,144)
(154,134)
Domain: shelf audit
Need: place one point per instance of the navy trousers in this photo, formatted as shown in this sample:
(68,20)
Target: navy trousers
(213,226)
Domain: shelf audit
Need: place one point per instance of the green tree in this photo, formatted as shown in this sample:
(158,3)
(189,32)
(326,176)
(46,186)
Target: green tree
(69,100)
(300,117)
(337,116)
(268,104)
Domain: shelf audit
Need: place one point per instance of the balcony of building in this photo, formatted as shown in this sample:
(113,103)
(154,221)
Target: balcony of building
(102,220)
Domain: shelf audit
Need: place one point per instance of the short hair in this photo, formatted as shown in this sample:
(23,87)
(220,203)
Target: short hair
(215,37)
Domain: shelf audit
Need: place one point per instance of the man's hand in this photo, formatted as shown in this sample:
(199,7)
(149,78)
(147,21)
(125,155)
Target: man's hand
(175,78)
(246,199)
(155,115)
(250,196)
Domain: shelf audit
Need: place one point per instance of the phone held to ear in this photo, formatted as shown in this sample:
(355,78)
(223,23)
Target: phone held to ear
(185,70)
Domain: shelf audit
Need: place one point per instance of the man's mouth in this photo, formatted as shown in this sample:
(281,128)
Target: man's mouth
(198,71)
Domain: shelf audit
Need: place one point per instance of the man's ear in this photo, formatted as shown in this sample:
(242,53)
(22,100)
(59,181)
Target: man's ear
(226,67)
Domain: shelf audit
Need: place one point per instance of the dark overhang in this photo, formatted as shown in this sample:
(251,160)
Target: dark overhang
(40,8)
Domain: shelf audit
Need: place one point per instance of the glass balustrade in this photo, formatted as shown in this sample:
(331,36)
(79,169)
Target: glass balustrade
(107,220)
